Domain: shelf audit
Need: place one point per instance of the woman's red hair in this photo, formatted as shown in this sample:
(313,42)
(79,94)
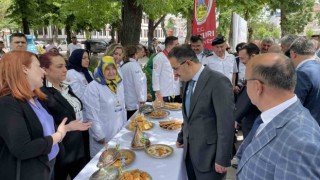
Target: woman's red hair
(13,80)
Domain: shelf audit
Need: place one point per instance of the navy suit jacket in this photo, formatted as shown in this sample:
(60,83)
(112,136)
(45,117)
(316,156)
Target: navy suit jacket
(308,87)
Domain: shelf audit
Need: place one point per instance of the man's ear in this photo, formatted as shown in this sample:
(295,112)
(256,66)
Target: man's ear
(258,87)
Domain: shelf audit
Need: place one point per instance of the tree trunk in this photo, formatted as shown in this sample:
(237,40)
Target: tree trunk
(250,30)
(131,22)
(55,36)
(112,34)
(69,22)
(164,29)
(25,26)
(150,31)
(189,31)
(152,26)
(283,21)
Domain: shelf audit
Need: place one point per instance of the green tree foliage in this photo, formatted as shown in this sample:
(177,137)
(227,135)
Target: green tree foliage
(247,9)
(6,22)
(295,14)
(156,11)
(309,32)
(263,30)
(24,13)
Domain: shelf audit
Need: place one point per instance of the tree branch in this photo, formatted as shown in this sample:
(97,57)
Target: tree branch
(159,21)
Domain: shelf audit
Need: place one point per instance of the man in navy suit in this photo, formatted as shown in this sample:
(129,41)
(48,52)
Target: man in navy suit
(308,77)
(286,144)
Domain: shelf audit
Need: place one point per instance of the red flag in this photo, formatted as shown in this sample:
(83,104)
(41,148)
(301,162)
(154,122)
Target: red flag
(204,20)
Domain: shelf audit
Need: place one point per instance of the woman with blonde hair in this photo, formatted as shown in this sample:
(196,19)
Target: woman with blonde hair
(28,139)
(117,52)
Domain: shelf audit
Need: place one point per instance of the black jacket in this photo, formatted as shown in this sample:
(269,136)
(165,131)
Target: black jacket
(21,138)
(245,111)
(60,108)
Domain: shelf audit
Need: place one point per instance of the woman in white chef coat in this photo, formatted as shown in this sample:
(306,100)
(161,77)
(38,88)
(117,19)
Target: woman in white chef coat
(134,80)
(104,104)
(78,74)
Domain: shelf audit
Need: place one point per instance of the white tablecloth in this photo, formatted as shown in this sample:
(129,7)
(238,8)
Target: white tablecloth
(170,168)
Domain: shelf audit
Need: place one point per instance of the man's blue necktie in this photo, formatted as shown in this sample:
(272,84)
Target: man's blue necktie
(188,96)
(250,136)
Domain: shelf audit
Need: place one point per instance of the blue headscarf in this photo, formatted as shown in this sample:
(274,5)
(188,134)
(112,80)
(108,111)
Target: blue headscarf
(75,61)
(99,77)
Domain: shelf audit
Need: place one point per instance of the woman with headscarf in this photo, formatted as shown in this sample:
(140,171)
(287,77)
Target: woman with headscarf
(78,74)
(104,104)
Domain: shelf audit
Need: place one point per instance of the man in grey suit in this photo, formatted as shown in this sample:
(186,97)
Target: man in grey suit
(286,143)
(207,133)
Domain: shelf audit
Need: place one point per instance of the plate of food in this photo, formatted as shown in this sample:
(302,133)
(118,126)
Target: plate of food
(173,106)
(158,114)
(127,155)
(159,150)
(135,174)
(142,122)
(171,124)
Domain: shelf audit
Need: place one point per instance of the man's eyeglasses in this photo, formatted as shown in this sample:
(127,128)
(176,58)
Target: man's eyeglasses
(177,67)
(20,42)
(245,81)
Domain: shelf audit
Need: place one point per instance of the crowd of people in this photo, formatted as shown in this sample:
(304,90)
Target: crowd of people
(58,114)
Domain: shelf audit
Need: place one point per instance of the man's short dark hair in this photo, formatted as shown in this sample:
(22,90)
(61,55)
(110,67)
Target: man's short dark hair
(196,38)
(183,53)
(251,49)
(20,35)
(73,37)
(281,75)
(169,40)
(239,46)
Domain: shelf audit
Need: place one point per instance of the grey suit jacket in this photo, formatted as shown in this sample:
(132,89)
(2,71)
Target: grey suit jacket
(209,131)
(287,148)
